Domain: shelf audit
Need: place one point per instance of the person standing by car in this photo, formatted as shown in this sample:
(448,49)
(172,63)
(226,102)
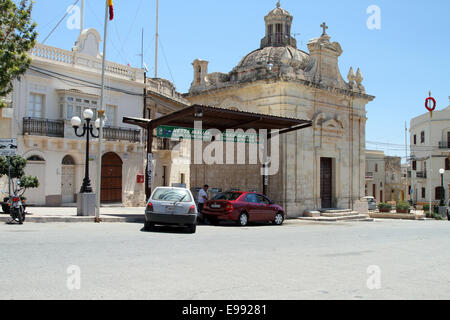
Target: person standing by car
(202,198)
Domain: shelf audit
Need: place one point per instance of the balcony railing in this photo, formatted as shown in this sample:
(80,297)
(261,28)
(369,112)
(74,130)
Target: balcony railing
(369,175)
(55,128)
(444,145)
(43,127)
(421,174)
(115,133)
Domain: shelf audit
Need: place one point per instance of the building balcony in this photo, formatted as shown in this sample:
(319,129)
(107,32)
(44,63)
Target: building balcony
(421,174)
(122,134)
(43,127)
(369,176)
(57,128)
(444,145)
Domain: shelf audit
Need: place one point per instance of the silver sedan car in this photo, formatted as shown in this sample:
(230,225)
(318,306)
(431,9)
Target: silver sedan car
(372,203)
(171,206)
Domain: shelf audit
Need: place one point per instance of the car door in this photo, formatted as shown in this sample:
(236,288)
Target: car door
(253,207)
(267,211)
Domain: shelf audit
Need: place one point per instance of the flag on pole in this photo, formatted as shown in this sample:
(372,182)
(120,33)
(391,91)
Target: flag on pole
(111,9)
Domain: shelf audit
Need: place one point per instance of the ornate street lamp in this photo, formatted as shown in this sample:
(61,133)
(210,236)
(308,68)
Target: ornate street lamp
(88,131)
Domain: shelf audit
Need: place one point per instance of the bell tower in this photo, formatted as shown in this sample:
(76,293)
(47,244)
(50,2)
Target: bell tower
(278,29)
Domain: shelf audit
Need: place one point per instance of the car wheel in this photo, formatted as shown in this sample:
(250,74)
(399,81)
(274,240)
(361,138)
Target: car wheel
(279,219)
(243,220)
(192,228)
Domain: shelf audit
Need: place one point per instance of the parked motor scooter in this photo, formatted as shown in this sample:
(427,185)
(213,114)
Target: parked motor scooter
(17,210)
(6,203)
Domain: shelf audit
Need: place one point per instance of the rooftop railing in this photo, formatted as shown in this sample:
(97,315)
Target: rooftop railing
(57,55)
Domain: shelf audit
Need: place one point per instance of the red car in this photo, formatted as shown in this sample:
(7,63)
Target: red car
(243,207)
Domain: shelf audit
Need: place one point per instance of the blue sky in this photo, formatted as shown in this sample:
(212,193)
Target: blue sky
(409,56)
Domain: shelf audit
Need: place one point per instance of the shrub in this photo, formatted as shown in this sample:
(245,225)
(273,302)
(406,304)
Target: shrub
(384,206)
(403,206)
(437,217)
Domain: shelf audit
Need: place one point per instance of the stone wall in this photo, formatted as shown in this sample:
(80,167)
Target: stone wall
(338,133)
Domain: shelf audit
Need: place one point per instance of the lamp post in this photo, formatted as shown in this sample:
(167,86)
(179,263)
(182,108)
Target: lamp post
(442,171)
(86,200)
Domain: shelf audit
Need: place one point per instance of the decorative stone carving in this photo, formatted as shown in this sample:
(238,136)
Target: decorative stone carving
(351,77)
(359,78)
(89,43)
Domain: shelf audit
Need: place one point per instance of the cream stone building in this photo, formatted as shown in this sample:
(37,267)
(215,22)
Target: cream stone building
(384,177)
(61,84)
(321,167)
(430,152)
(171,160)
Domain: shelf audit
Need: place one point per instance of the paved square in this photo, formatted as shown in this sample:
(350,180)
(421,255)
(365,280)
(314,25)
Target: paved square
(300,260)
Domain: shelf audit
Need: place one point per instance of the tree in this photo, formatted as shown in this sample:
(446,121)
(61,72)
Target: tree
(18,165)
(17,38)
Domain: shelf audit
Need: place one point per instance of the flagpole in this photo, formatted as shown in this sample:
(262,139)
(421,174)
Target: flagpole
(156,39)
(101,115)
(82,17)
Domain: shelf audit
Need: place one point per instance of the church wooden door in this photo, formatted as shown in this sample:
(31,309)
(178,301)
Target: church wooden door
(111,179)
(326,180)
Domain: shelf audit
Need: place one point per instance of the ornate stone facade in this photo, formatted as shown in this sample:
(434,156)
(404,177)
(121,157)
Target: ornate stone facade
(58,85)
(279,79)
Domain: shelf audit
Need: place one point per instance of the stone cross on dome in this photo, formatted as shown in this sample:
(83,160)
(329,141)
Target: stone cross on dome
(324,27)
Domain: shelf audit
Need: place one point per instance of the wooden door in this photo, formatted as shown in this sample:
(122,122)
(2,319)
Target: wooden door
(111,178)
(326,181)
(67,184)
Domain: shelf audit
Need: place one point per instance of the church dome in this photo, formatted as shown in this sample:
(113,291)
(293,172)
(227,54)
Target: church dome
(278,11)
(276,56)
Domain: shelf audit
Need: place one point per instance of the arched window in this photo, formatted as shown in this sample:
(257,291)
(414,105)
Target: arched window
(68,161)
(35,158)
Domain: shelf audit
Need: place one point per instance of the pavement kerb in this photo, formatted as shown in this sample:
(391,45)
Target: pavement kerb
(75,219)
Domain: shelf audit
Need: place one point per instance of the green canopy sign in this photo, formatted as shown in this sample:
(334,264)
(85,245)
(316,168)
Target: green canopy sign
(236,136)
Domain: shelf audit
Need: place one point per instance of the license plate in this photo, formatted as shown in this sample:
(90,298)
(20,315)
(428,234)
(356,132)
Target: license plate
(170,209)
(215,206)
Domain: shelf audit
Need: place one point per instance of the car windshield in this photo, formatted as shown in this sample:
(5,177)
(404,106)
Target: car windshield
(172,195)
(229,196)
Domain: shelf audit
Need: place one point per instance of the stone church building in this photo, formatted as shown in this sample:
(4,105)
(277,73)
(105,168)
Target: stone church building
(322,166)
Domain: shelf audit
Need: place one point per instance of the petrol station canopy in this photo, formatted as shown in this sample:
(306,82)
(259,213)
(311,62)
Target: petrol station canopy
(221,119)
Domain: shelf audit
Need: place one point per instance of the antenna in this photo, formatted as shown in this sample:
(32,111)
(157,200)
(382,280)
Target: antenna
(142,50)
(156,39)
